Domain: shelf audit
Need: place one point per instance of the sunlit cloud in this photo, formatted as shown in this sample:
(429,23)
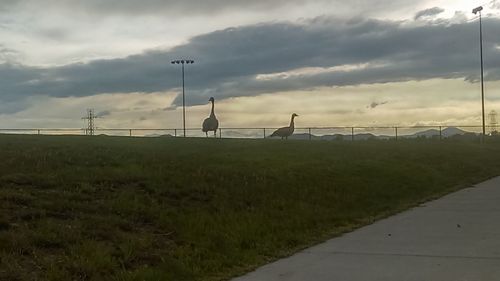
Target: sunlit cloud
(309,71)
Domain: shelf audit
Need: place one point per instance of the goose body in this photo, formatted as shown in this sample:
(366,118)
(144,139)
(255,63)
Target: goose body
(211,123)
(285,132)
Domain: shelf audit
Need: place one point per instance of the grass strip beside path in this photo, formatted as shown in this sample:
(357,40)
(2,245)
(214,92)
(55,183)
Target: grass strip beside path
(117,208)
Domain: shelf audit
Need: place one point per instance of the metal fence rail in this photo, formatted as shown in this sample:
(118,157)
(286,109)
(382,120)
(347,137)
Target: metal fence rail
(306,133)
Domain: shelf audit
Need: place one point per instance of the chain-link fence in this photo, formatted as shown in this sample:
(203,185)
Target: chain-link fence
(345,133)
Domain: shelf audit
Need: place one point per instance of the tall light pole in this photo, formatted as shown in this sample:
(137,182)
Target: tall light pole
(182,62)
(476,11)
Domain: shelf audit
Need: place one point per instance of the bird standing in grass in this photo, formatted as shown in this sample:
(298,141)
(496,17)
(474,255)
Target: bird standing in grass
(285,132)
(211,123)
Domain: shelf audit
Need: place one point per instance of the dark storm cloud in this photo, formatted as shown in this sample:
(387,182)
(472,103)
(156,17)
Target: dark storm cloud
(229,61)
(376,104)
(429,12)
(103,113)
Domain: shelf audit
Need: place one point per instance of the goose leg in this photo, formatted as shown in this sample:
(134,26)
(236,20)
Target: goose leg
(215,134)
(206,133)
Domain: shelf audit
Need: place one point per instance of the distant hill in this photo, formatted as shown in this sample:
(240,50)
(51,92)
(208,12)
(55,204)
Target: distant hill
(158,135)
(446,133)
(452,131)
(365,136)
(236,134)
(427,133)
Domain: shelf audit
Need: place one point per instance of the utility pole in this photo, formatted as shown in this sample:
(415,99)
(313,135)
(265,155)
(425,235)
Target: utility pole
(476,11)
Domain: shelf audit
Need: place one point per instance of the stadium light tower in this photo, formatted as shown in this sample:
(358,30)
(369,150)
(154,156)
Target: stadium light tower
(182,62)
(476,11)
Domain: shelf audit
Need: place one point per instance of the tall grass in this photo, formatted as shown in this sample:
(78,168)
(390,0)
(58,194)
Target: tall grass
(114,208)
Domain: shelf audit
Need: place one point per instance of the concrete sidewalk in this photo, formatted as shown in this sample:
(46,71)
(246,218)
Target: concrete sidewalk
(455,238)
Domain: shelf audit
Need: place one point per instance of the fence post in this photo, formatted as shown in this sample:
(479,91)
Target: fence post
(310,136)
(264,133)
(38,131)
(175,132)
(130,132)
(396,130)
(352,133)
(220,133)
(440,133)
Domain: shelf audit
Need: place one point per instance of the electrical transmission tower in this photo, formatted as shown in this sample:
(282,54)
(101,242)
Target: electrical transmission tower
(493,122)
(90,118)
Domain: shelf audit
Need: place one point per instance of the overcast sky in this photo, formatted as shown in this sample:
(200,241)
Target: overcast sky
(335,63)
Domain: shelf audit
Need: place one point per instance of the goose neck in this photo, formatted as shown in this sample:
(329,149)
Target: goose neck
(212,113)
(292,121)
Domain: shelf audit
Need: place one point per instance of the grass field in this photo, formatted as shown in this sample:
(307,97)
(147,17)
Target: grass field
(111,208)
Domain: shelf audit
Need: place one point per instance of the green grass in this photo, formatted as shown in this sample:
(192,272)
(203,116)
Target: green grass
(110,208)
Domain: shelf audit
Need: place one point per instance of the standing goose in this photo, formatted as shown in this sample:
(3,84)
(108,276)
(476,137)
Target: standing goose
(285,132)
(211,123)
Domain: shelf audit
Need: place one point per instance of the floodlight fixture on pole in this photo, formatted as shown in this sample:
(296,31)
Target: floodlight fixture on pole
(182,62)
(475,11)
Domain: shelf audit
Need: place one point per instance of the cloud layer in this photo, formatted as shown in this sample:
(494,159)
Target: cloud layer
(275,57)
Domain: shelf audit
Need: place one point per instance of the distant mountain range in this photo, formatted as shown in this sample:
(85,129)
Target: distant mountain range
(431,133)
(158,135)
(445,133)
